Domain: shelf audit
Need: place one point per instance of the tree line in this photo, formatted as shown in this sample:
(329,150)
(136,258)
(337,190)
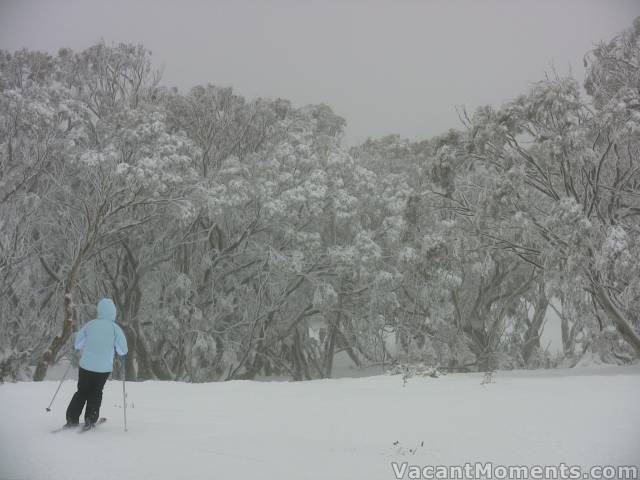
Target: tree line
(225,228)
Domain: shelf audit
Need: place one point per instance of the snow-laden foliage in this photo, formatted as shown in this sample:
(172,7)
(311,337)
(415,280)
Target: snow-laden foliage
(241,238)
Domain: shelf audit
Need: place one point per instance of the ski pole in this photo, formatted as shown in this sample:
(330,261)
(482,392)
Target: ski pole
(59,385)
(124,392)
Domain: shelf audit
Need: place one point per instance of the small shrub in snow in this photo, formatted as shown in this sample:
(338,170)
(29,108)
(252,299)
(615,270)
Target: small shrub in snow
(412,370)
(487,378)
(402,450)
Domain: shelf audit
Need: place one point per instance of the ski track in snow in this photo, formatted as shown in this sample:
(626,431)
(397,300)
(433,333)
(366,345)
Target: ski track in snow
(338,429)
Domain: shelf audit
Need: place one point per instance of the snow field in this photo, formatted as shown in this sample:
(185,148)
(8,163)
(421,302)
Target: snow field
(325,429)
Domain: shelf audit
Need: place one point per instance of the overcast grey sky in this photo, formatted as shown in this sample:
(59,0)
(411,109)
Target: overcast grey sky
(395,66)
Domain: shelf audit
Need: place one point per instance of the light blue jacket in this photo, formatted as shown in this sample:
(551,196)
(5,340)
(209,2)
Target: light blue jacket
(99,338)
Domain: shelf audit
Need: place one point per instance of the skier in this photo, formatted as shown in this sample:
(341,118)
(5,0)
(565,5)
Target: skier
(97,339)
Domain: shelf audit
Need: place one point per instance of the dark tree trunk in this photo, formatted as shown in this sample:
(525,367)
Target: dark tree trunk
(532,335)
(50,355)
(618,319)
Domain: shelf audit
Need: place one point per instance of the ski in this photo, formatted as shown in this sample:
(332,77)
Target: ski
(91,427)
(64,428)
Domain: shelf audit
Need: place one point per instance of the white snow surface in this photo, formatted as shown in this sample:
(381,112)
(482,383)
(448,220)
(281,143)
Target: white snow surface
(325,429)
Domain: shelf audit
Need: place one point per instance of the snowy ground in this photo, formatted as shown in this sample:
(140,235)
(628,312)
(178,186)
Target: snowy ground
(326,429)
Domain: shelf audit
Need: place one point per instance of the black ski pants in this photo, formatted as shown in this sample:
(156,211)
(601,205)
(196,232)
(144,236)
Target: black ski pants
(90,385)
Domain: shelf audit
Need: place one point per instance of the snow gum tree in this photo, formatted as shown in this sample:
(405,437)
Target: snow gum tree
(556,179)
(119,168)
(36,114)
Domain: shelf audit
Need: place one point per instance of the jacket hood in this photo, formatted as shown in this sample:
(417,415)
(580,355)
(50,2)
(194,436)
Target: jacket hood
(106,310)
